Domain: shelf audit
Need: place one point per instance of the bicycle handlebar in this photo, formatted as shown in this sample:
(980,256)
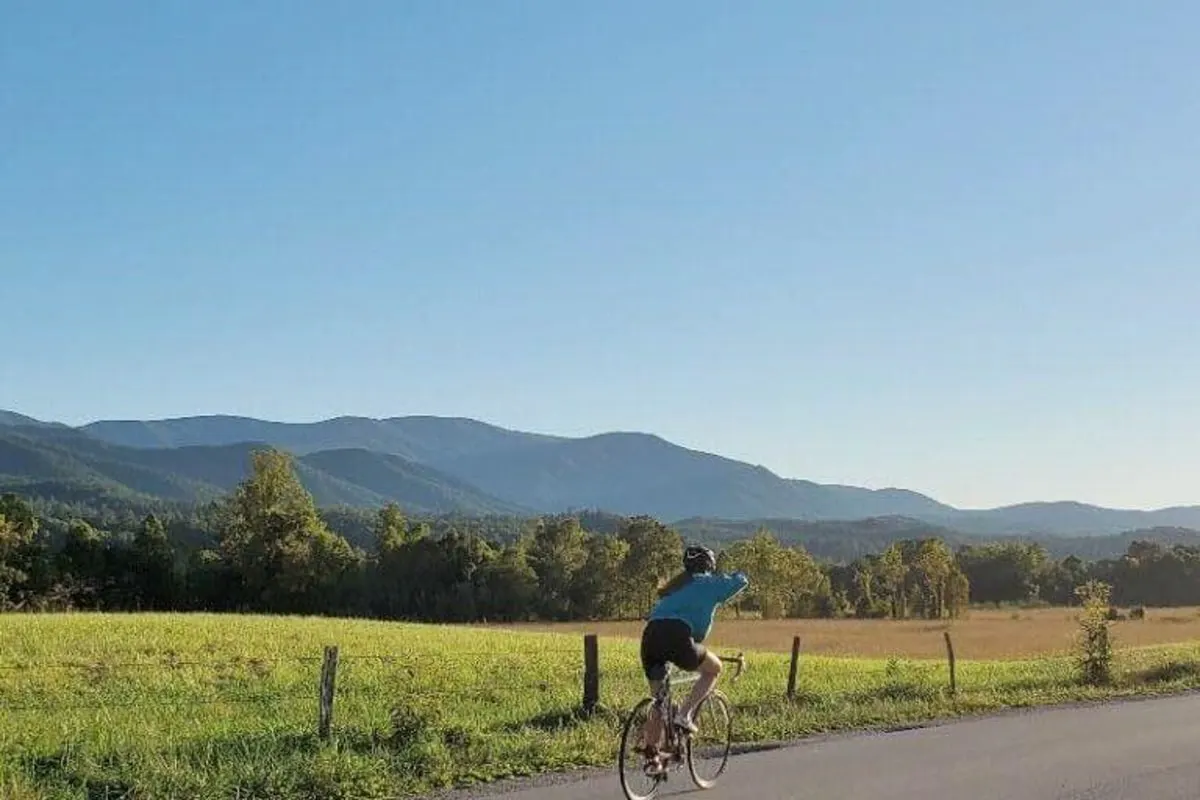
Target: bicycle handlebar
(740,660)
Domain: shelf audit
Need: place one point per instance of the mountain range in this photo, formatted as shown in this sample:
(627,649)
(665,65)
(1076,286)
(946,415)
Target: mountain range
(446,464)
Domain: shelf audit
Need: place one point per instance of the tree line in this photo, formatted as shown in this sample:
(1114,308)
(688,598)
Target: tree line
(267,548)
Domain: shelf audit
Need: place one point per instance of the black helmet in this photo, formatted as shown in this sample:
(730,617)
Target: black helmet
(698,558)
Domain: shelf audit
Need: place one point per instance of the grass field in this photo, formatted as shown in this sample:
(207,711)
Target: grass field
(981,634)
(206,706)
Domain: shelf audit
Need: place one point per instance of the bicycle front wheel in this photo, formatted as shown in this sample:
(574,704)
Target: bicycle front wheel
(635,783)
(708,748)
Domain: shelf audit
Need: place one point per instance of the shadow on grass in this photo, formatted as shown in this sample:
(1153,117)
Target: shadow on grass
(1170,672)
(560,719)
(108,790)
(1035,685)
(359,764)
(68,771)
(69,762)
(898,692)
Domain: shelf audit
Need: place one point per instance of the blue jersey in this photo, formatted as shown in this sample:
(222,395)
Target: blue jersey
(696,603)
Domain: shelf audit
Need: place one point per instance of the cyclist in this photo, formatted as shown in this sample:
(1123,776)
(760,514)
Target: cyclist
(677,628)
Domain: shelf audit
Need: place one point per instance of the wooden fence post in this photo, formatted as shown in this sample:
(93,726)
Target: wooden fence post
(791,690)
(328,681)
(950,655)
(591,672)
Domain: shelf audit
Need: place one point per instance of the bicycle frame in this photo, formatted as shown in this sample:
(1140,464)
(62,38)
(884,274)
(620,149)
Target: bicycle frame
(664,691)
(676,743)
(664,704)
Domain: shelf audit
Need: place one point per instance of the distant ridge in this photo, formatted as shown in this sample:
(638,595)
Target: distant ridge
(12,418)
(461,464)
(68,462)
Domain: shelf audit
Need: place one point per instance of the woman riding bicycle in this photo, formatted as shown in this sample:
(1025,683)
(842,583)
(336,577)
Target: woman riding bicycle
(677,626)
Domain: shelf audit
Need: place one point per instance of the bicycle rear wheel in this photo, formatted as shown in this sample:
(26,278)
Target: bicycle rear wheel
(708,748)
(635,783)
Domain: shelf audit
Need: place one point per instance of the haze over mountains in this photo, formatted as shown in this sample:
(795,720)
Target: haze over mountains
(442,464)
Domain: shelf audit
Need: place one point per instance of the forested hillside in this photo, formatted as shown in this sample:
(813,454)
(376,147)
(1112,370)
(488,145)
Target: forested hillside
(265,546)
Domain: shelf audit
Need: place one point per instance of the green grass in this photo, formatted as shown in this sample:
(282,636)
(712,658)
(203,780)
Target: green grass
(207,706)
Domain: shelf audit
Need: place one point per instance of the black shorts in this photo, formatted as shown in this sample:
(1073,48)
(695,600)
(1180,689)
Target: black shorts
(669,640)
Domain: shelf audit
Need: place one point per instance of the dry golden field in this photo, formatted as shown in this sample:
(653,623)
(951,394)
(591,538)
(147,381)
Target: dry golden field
(981,634)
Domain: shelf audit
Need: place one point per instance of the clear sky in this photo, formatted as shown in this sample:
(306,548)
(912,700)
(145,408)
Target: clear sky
(953,247)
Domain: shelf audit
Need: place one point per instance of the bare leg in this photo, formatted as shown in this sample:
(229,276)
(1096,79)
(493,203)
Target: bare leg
(710,670)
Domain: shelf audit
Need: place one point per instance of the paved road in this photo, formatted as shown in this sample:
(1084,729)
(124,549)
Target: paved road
(1138,750)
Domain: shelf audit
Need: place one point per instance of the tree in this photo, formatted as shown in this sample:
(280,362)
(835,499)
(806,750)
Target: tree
(933,566)
(211,583)
(21,522)
(11,576)
(392,587)
(81,562)
(958,592)
(153,562)
(1057,580)
(1002,573)
(863,589)
(391,529)
(18,551)
(893,572)
(783,581)
(557,552)
(464,558)
(508,585)
(284,556)
(655,554)
(597,591)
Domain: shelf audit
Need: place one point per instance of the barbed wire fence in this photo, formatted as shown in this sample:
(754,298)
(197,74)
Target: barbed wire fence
(432,676)
(414,671)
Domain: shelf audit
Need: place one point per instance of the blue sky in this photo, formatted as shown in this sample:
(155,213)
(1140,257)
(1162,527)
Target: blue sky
(946,246)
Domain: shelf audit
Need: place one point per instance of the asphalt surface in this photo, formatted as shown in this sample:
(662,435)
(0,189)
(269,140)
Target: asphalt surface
(1135,750)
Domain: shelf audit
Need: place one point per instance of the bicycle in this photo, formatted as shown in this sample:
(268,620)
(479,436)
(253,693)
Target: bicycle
(679,745)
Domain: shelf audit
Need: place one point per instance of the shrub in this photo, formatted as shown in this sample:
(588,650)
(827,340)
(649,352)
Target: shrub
(1094,646)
